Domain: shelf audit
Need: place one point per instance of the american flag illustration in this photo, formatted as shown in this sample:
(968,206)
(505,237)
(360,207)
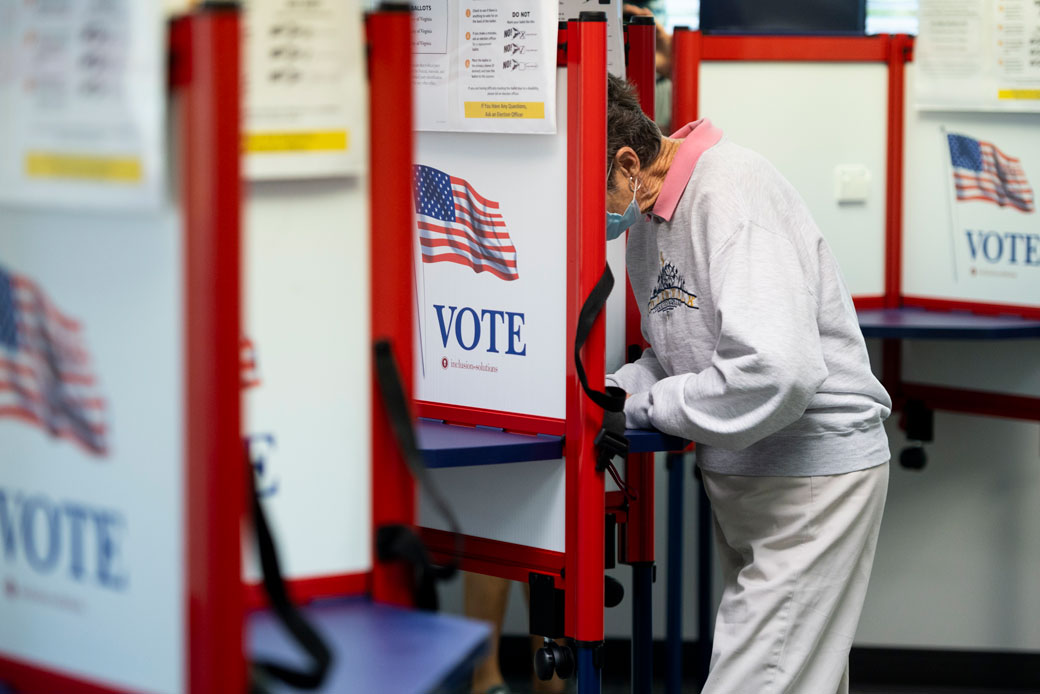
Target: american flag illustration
(983,172)
(45,374)
(458,225)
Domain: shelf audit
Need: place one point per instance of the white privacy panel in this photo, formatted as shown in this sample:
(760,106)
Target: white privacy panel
(308,416)
(522,503)
(809,119)
(92,545)
(982,244)
(306,342)
(490,271)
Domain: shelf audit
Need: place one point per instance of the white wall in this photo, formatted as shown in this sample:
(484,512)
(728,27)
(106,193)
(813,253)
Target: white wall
(959,553)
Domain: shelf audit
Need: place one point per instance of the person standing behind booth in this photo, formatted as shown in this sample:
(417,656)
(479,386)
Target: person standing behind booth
(756,354)
(486,597)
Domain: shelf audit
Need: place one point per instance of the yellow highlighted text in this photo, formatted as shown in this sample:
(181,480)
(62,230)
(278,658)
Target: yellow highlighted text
(1018,94)
(505,109)
(322,141)
(83,167)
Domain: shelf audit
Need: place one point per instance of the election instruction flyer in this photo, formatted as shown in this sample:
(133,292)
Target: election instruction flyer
(485,65)
(305,103)
(977,55)
(83,95)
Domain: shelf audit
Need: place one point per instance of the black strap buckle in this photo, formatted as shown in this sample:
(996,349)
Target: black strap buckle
(611,441)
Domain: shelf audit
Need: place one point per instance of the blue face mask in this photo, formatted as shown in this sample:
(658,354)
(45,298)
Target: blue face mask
(618,224)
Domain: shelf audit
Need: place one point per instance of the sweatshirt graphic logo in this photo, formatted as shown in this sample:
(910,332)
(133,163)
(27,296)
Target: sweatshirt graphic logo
(670,291)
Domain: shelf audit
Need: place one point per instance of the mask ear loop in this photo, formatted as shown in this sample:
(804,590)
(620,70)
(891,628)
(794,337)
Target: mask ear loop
(634,185)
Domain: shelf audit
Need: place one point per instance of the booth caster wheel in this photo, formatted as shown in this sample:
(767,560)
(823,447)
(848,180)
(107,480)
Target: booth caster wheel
(553,657)
(913,456)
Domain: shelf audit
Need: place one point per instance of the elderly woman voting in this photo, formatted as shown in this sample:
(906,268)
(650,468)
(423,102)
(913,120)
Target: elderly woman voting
(755,354)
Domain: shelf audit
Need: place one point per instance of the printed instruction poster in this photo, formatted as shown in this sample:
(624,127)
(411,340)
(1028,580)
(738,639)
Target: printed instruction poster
(485,65)
(305,103)
(82,93)
(978,55)
(570,9)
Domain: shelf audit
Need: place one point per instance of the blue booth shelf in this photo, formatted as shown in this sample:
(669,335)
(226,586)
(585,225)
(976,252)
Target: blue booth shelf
(378,648)
(919,323)
(653,441)
(448,445)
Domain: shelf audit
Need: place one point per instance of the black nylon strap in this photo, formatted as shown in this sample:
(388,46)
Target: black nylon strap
(290,617)
(611,440)
(401,542)
(613,400)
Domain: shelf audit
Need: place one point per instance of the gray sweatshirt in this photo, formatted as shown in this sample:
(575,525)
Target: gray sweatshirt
(756,353)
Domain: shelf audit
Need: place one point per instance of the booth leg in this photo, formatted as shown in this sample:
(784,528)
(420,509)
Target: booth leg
(642,628)
(705,601)
(590,669)
(674,598)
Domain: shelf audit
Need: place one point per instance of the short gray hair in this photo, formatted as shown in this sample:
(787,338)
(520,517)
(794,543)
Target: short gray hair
(628,126)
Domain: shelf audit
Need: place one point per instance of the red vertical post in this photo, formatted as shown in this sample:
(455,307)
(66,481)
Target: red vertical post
(642,72)
(642,60)
(391,256)
(898,53)
(899,48)
(686,65)
(586,258)
(208,77)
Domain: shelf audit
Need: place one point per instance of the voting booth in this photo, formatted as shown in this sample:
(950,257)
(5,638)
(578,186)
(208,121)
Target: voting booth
(327,235)
(507,258)
(209,307)
(122,492)
(941,222)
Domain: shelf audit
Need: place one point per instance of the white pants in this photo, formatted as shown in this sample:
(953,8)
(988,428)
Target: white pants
(796,554)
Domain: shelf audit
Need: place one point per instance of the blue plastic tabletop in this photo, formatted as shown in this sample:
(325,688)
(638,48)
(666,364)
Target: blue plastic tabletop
(448,445)
(377,648)
(917,323)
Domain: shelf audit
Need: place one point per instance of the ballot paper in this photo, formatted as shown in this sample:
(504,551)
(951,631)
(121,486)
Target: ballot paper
(82,93)
(485,65)
(305,102)
(979,56)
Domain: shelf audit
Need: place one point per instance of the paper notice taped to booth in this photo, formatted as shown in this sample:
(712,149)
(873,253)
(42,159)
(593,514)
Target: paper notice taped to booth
(82,93)
(485,65)
(973,55)
(305,104)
